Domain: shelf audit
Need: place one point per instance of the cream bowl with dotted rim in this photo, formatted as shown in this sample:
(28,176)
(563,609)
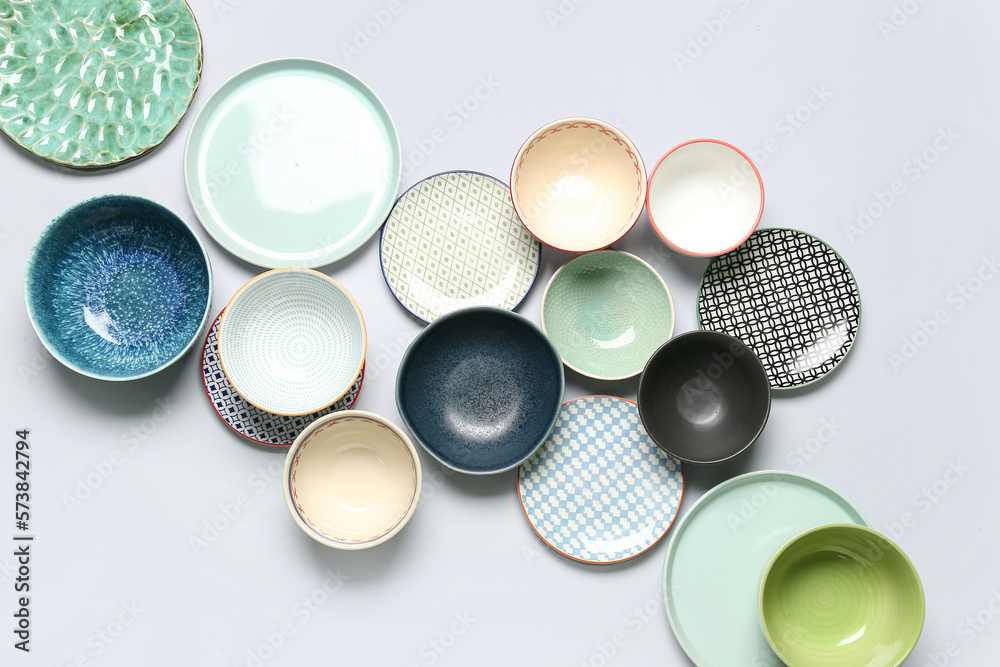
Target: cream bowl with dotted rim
(352,480)
(292,341)
(705,198)
(452,241)
(578,184)
(599,490)
(607,312)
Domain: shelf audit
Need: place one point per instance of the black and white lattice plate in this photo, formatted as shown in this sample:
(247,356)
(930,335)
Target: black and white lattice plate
(790,298)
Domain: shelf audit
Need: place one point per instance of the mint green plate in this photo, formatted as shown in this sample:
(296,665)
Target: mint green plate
(96,83)
(841,595)
(607,312)
(292,163)
(718,552)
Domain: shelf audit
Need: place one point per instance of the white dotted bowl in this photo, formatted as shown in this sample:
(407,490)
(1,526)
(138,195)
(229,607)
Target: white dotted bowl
(292,341)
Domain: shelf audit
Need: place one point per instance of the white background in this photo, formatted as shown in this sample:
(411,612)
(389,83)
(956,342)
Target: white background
(469,549)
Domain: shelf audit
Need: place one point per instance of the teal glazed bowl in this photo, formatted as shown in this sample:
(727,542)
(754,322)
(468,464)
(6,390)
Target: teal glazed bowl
(118,287)
(841,595)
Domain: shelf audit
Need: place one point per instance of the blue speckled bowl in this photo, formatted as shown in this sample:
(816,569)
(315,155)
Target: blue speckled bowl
(118,287)
(480,389)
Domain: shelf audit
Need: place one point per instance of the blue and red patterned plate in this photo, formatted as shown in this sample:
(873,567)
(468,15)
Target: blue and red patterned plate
(599,490)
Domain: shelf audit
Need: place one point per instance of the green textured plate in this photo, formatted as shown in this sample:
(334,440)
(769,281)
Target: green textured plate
(97,83)
(292,163)
(718,551)
(607,312)
(841,595)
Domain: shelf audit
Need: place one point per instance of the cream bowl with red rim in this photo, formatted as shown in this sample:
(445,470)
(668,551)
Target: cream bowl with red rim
(578,184)
(352,480)
(705,198)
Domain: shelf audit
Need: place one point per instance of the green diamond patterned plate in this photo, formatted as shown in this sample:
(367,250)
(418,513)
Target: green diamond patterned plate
(96,83)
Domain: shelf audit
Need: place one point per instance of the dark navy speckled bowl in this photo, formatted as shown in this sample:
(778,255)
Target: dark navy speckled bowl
(118,287)
(480,389)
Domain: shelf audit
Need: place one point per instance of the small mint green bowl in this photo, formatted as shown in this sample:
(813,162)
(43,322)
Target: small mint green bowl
(606,312)
(841,595)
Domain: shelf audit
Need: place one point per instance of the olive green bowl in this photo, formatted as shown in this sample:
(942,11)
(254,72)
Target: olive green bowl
(841,595)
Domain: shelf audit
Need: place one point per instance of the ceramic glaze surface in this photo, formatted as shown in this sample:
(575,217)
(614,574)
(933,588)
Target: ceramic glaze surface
(841,595)
(292,163)
(704,397)
(790,297)
(292,341)
(452,241)
(599,490)
(93,84)
(718,552)
(480,389)
(607,312)
(118,287)
(578,184)
(705,198)
(247,419)
(352,480)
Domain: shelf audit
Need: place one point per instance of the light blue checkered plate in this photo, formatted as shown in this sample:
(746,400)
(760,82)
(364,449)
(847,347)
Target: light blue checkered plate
(599,490)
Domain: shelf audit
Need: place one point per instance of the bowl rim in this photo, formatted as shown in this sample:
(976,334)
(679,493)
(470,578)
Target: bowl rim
(52,227)
(867,531)
(545,294)
(296,446)
(339,286)
(630,146)
(427,332)
(649,207)
(748,352)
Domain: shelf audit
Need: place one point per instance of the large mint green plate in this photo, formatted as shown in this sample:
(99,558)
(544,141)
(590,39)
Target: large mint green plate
(292,163)
(717,556)
(95,83)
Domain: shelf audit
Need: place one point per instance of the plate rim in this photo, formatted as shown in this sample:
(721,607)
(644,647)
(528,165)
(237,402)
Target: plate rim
(148,149)
(666,288)
(850,272)
(204,380)
(707,497)
(364,338)
(673,521)
(239,250)
(400,198)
